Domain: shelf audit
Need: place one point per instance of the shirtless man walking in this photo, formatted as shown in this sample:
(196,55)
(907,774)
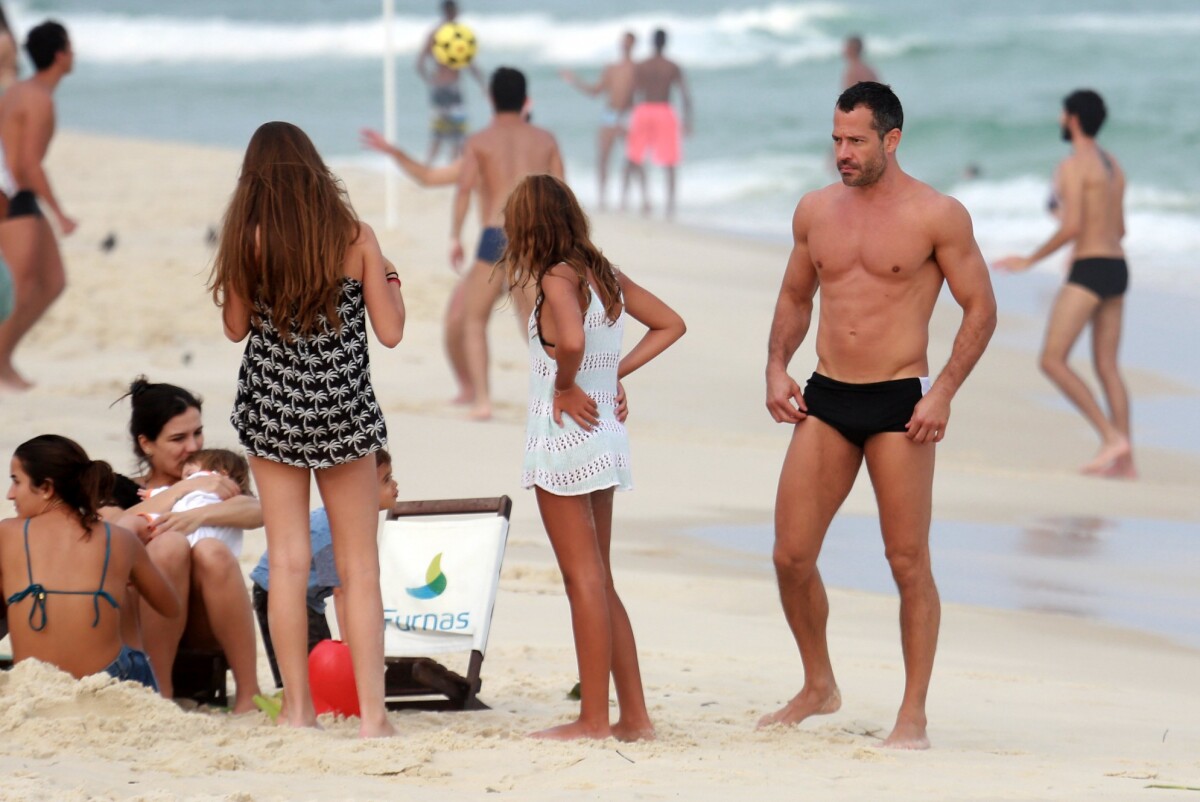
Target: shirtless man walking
(1089,194)
(616,84)
(494,162)
(879,246)
(654,126)
(28,243)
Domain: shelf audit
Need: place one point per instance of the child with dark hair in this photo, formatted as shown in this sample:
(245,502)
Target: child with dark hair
(62,582)
(206,462)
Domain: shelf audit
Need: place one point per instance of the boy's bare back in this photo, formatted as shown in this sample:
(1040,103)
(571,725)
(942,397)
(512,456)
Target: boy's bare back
(505,152)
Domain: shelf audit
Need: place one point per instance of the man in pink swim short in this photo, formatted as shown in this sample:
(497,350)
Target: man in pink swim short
(654,128)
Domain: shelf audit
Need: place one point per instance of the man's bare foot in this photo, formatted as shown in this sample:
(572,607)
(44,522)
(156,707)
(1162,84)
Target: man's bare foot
(480,412)
(907,734)
(380,729)
(1121,468)
(13,382)
(804,704)
(463,398)
(642,731)
(574,731)
(1109,453)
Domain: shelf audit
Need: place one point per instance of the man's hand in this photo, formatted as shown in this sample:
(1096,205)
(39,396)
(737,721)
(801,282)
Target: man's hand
(373,140)
(66,224)
(785,401)
(928,422)
(1013,264)
(456,254)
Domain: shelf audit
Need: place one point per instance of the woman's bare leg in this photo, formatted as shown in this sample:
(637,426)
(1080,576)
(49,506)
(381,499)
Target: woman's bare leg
(634,723)
(283,491)
(220,589)
(570,525)
(351,495)
(172,555)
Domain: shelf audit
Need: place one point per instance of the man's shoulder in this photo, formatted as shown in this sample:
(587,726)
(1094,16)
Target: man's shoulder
(28,94)
(817,199)
(541,134)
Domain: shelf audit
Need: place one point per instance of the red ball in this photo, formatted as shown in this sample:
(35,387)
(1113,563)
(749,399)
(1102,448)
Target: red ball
(331,679)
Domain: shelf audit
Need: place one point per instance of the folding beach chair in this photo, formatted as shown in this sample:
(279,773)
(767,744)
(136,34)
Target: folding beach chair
(439,567)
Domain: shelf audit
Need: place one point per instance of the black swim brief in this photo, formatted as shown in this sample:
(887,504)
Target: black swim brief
(858,411)
(23,204)
(492,243)
(1106,276)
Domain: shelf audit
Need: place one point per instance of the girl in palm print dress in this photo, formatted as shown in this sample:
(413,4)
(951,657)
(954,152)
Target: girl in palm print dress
(299,273)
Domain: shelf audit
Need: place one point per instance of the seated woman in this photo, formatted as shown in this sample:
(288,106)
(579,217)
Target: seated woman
(64,571)
(166,429)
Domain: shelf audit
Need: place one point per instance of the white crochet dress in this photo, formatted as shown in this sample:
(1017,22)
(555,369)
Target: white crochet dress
(567,460)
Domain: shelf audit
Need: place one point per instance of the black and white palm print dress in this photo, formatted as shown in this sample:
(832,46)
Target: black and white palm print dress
(310,403)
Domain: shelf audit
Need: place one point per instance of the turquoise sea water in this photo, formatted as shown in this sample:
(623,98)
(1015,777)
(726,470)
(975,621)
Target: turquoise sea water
(1140,574)
(981,84)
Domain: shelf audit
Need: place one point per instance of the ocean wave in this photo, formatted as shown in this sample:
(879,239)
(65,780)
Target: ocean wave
(1132,24)
(778,33)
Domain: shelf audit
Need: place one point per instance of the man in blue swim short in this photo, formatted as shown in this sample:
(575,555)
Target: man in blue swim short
(494,162)
(879,245)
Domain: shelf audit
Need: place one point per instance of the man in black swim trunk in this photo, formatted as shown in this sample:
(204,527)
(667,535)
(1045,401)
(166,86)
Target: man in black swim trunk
(879,245)
(1090,188)
(26,127)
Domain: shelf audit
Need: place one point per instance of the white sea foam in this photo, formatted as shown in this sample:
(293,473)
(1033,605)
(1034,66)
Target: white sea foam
(779,33)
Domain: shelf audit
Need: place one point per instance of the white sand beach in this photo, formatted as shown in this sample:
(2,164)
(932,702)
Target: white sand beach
(1024,705)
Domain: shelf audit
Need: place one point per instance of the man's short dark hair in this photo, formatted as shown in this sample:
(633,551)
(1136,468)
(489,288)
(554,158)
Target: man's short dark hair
(508,89)
(660,39)
(856,43)
(886,111)
(1088,107)
(45,42)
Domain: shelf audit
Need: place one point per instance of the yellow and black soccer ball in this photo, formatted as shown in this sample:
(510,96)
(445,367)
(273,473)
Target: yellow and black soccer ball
(454,45)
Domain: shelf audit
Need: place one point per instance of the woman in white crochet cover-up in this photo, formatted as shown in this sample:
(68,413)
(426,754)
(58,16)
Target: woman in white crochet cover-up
(576,450)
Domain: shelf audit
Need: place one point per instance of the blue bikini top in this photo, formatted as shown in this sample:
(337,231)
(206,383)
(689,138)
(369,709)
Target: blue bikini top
(37,613)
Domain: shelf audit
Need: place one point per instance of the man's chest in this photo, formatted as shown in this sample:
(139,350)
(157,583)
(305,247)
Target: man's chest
(892,247)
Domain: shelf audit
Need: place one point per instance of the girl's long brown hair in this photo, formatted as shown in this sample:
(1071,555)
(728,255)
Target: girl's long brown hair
(545,226)
(304,223)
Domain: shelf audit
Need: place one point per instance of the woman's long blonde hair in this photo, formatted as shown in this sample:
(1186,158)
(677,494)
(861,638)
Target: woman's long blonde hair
(545,226)
(299,212)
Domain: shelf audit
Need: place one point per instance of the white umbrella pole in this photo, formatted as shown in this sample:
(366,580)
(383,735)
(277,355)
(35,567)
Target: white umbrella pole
(391,204)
